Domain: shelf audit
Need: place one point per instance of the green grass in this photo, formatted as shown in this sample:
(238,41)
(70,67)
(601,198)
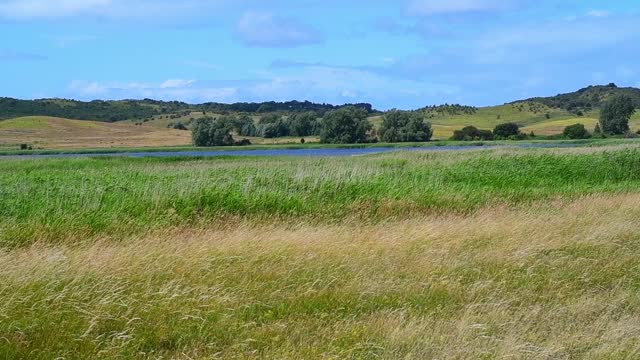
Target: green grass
(488,117)
(479,254)
(57,200)
(24,123)
(11,150)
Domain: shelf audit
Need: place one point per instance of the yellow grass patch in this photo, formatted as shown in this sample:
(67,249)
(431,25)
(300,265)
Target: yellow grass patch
(555,280)
(57,133)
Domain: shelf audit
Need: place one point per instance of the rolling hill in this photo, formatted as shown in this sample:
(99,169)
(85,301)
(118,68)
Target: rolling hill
(58,123)
(58,133)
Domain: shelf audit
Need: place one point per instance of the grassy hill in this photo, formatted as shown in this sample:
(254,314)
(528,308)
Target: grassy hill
(586,99)
(50,132)
(145,122)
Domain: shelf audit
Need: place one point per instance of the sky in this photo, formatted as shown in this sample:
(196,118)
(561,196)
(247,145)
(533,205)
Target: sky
(402,54)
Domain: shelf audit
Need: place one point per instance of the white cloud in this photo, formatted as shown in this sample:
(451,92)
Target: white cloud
(598,13)
(551,39)
(87,88)
(63,41)
(23,9)
(202,64)
(172,89)
(319,83)
(439,7)
(141,10)
(269,30)
(176,83)
(6,55)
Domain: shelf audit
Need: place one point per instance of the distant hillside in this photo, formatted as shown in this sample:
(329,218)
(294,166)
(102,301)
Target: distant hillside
(111,111)
(586,99)
(57,133)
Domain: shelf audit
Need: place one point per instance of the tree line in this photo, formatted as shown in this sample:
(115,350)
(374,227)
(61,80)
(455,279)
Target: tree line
(347,125)
(112,111)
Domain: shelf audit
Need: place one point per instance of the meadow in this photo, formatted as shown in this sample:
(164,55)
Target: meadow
(49,133)
(484,253)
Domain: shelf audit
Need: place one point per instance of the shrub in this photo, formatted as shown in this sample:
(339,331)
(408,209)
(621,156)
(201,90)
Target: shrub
(243,142)
(211,132)
(506,130)
(404,126)
(469,133)
(347,125)
(576,131)
(177,125)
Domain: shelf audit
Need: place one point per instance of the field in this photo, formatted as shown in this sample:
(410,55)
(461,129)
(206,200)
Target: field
(485,253)
(56,133)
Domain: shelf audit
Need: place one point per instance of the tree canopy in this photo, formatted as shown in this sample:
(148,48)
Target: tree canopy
(404,126)
(304,124)
(211,132)
(470,133)
(506,130)
(347,125)
(615,114)
(576,131)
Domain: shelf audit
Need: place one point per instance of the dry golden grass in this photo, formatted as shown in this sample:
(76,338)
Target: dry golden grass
(57,133)
(551,281)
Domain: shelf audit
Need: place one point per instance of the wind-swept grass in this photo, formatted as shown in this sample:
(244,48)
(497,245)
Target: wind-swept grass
(478,254)
(58,200)
(554,280)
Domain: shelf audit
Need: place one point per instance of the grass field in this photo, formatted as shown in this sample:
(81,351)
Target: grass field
(505,253)
(56,133)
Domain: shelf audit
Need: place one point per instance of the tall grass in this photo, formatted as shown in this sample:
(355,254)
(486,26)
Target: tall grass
(69,200)
(551,281)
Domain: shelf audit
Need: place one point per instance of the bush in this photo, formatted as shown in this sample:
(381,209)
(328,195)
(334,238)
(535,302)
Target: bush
(211,132)
(576,131)
(506,130)
(25,147)
(347,125)
(404,126)
(243,142)
(177,125)
(470,133)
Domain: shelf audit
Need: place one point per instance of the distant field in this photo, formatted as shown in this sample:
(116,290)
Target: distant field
(56,133)
(481,254)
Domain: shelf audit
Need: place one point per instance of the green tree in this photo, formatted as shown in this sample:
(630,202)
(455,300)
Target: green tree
(469,133)
(576,131)
(272,126)
(506,130)
(347,125)
(244,126)
(615,115)
(303,124)
(211,132)
(404,126)
(597,131)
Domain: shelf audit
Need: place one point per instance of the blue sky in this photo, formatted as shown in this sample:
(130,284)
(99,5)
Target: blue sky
(394,54)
